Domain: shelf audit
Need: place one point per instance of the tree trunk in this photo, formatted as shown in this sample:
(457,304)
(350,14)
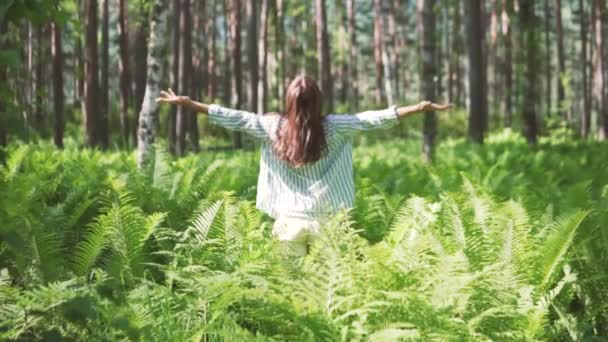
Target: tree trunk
(323,55)
(352,65)
(58,98)
(601,91)
(91,90)
(586,114)
(396,45)
(494,59)
(139,69)
(252,51)
(548,71)
(378,35)
(39,79)
(3,109)
(124,71)
(185,69)
(279,16)
(455,69)
(428,76)
(507,12)
(172,127)
(235,52)
(148,117)
(263,58)
(212,87)
(477,74)
(104,98)
(561,94)
(528,24)
(198,78)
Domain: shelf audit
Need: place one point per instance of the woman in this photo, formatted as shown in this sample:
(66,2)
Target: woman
(306,162)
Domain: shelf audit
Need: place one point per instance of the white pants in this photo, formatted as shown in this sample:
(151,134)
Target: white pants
(297,232)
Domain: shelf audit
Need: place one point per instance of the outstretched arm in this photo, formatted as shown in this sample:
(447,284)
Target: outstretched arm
(259,126)
(170,97)
(380,119)
(424,106)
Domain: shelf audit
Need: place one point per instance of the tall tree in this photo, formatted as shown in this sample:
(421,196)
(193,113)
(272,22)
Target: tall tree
(323,55)
(252,53)
(561,59)
(455,67)
(378,36)
(548,56)
(263,58)
(185,69)
(601,85)
(211,46)
(353,93)
(198,79)
(507,12)
(477,74)
(124,71)
(104,98)
(58,97)
(237,70)
(140,64)
(91,90)
(428,75)
(586,114)
(279,9)
(172,127)
(3,109)
(148,117)
(528,21)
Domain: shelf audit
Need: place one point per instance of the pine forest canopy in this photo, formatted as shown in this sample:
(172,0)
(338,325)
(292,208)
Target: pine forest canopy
(534,65)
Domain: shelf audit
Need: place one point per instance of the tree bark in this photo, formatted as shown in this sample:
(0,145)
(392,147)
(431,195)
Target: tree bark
(235,52)
(428,76)
(184,78)
(352,65)
(323,55)
(548,56)
(477,74)
(528,22)
(140,66)
(279,16)
(104,98)
(58,96)
(172,127)
(148,117)
(198,79)
(252,51)
(586,114)
(601,91)
(212,36)
(124,71)
(378,35)
(263,58)
(91,136)
(507,12)
(455,68)
(561,95)
(3,109)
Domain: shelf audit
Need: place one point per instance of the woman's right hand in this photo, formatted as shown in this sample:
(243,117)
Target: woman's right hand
(426,106)
(170,97)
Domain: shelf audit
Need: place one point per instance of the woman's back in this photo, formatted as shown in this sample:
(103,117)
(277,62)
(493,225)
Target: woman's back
(313,189)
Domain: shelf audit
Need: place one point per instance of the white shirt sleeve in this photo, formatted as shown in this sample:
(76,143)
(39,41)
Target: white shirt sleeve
(256,125)
(365,121)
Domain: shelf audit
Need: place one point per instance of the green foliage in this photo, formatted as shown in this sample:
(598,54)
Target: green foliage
(499,242)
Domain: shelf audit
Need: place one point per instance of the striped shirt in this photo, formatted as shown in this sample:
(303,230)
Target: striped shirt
(313,190)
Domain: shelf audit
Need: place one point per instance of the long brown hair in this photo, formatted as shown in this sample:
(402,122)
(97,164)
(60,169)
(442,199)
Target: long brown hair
(301,137)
